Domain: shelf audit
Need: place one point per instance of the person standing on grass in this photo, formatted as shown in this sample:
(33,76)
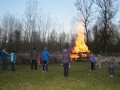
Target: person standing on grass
(99,61)
(45,59)
(39,59)
(4,55)
(13,60)
(34,59)
(111,67)
(92,60)
(66,61)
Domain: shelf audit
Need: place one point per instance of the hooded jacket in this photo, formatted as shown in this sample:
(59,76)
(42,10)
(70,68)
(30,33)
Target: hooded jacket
(45,55)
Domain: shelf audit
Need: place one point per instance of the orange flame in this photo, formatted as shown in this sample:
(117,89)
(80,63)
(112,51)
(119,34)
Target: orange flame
(80,45)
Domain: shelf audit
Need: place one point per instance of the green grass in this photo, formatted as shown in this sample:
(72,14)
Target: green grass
(80,78)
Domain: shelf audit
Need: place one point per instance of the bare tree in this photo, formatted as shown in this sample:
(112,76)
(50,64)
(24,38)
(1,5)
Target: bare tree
(1,30)
(86,11)
(18,36)
(9,38)
(96,46)
(8,26)
(52,41)
(5,29)
(31,15)
(107,10)
(61,40)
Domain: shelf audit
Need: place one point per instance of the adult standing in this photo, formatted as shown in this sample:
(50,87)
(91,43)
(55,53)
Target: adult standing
(4,55)
(45,58)
(66,61)
(92,60)
(34,59)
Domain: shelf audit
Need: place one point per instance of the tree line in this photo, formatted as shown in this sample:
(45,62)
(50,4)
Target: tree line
(104,36)
(36,29)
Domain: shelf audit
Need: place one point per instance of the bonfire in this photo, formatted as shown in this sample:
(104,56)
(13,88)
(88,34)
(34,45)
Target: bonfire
(80,46)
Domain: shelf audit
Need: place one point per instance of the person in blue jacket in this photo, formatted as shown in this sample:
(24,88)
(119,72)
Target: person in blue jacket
(45,58)
(13,60)
(4,55)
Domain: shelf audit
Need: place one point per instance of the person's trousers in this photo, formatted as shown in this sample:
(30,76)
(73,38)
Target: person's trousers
(4,65)
(34,64)
(92,66)
(99,64)
(111,71)
(45,66)
(66,67)
(13,66)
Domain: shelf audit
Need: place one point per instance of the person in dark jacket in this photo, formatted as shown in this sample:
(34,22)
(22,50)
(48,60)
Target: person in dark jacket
(4,55)
(34,59)
(65,61)
(45,58)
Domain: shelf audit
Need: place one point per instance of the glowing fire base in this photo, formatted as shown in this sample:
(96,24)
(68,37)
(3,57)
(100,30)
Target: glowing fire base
(75,56)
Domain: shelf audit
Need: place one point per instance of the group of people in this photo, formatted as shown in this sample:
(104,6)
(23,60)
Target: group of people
(110,61)
(65,61)
(4,55)
(92,58)
(36,58)
(44,56)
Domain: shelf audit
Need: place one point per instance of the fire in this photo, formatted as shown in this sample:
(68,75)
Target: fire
(80,45)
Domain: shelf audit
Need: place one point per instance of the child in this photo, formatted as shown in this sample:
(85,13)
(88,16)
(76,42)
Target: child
(92,60)
(13,60)
(39,59)
(111,67)
(99,61)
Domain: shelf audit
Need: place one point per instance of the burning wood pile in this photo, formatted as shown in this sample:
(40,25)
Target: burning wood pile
(80,48)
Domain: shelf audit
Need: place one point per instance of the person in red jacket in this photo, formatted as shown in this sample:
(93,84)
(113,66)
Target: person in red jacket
(39,59)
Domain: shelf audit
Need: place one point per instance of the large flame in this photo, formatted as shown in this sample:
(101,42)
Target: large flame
(80,45)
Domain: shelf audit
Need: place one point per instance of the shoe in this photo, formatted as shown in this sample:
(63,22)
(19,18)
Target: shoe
(111,76)
(90,70)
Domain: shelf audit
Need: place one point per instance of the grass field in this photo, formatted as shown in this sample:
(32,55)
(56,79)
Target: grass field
(80,78)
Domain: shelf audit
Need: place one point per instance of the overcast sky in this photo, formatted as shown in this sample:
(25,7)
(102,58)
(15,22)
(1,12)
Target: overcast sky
(63,10)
